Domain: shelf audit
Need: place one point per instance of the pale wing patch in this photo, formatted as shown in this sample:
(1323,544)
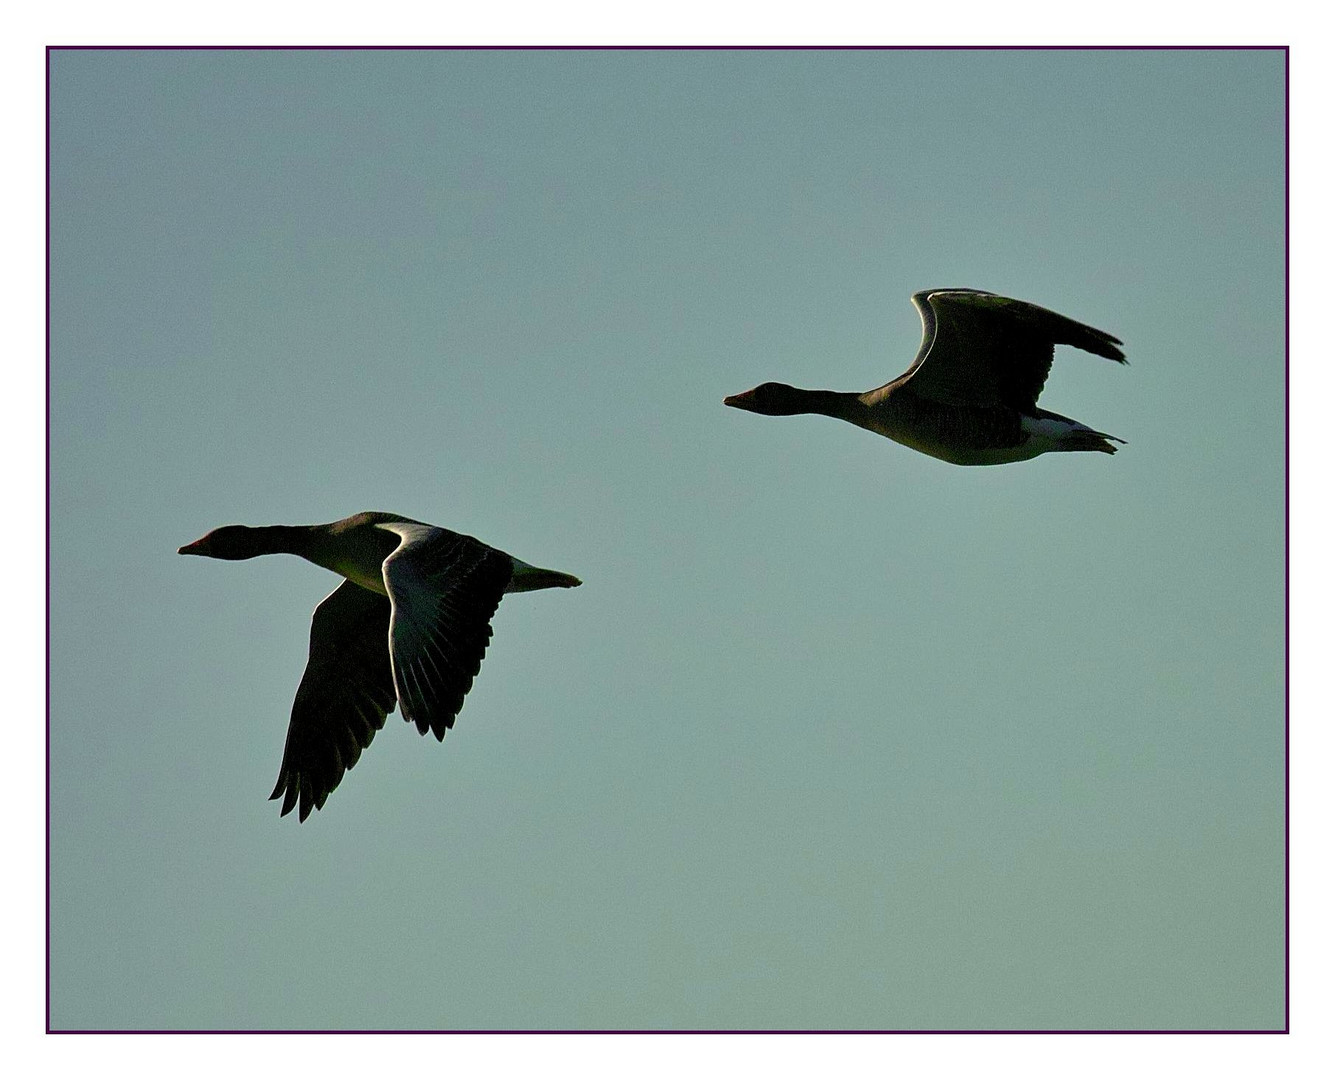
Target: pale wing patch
(444,588)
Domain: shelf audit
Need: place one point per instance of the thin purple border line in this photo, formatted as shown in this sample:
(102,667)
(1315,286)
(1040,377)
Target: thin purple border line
(671,1031)
(1286,542)
(48,541)
(674,48)
(1284,1029)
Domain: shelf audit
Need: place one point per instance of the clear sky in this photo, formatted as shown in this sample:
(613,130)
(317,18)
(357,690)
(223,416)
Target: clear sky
(835,735)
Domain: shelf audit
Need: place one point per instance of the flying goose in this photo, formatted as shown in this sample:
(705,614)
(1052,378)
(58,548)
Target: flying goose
(970,396)
(409,624)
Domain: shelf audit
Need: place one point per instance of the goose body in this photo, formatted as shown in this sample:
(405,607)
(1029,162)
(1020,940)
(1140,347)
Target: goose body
(970,396)
(408,626)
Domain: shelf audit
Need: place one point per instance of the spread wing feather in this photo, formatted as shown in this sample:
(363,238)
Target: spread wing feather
(444,588)
(345,694)
(979,348)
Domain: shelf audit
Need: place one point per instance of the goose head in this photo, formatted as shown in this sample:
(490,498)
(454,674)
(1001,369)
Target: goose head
(228,542)
(772,399)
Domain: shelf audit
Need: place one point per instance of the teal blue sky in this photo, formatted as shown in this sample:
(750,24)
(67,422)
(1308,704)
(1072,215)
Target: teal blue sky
(835,735)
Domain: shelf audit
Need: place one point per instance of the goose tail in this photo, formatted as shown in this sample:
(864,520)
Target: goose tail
(527,578)
(1090,440)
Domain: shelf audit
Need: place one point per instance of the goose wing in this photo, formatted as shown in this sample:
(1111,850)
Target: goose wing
(979,348)
(345,694)
(443,589)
